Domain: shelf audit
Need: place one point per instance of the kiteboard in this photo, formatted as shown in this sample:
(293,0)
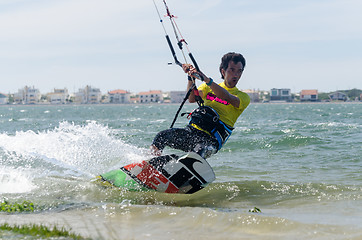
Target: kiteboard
(167,174)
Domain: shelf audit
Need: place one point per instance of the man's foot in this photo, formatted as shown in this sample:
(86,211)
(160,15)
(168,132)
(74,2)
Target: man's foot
(205,151)
(155,151)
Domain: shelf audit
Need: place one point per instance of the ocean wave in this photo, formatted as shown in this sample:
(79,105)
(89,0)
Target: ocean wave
(15,180)
(237,195)
(69,148)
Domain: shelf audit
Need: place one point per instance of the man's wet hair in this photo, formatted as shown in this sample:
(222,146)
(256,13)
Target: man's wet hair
(231,56)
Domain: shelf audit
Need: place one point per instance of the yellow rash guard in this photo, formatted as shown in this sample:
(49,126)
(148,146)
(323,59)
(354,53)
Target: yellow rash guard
(227,112)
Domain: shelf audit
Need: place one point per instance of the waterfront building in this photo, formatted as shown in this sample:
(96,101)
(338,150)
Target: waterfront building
(59,96)
(119,96)
(153,96)
(281,94)
(88,95)
(253,94)
(177,96)
(134,98)
(309,95)
(27,95)
(3,99)
(338,96)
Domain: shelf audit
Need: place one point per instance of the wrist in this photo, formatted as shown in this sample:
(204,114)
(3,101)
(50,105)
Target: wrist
(210,82)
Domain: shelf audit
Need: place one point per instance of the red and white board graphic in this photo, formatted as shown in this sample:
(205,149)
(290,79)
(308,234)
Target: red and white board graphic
(168,174)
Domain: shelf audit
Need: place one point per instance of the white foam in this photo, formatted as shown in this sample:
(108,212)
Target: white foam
(15,181)
(91,148)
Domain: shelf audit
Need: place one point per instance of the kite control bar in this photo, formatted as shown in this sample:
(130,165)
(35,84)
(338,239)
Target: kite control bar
(180,42)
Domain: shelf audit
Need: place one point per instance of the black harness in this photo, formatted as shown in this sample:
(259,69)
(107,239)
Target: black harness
(209,120)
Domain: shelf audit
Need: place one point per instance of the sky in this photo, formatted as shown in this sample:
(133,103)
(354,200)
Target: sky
(117,44)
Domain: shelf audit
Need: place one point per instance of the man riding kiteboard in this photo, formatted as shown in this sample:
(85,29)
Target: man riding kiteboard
(209,128)
(211,124)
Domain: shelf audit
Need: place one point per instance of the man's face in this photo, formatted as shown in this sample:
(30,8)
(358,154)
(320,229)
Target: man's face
(232,74)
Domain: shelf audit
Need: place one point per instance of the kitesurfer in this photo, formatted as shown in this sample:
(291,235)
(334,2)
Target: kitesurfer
(210,125)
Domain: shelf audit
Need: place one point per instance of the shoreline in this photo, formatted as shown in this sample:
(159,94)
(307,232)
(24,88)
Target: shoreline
(151,104)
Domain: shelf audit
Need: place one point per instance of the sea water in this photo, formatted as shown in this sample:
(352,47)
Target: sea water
(300,164)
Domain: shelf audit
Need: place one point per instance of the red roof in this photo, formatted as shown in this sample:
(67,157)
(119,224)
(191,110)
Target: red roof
(309,92)
(119,91)
(150,92)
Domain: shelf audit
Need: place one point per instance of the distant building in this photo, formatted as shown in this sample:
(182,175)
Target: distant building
(338,96)
(280,94)
(88,95)
(177,96)
(309,95)
(119,96)
(59,96)
(134,98)
(27,95)
(254,95)
(3,99)
(154,96)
